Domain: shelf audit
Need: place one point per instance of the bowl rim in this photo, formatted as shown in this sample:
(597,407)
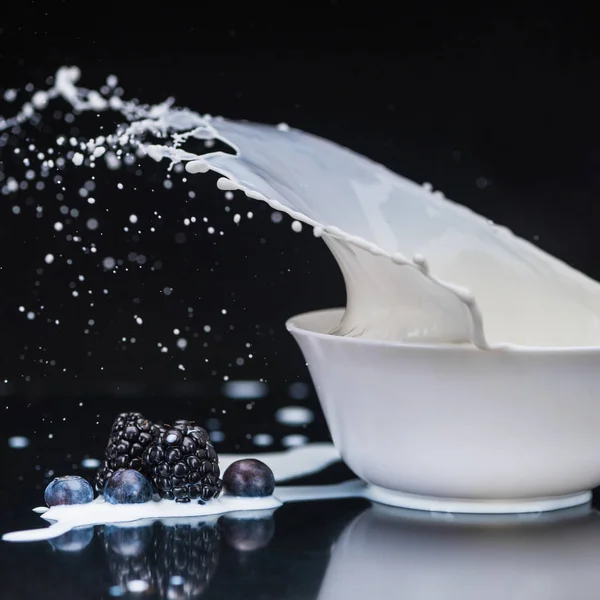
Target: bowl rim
(294,328)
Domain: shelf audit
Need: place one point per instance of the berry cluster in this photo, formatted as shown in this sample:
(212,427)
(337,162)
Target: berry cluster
(177,560)
(179,461)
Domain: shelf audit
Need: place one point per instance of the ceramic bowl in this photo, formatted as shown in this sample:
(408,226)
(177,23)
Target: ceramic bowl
(458,429)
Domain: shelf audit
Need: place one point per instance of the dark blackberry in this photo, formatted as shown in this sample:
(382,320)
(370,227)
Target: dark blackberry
(183,465)
(186,558)
(129,436)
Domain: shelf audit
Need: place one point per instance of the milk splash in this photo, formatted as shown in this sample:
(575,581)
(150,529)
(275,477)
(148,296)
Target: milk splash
(418,268)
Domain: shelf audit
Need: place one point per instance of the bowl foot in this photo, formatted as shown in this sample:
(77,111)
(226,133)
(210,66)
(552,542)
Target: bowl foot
(458,505)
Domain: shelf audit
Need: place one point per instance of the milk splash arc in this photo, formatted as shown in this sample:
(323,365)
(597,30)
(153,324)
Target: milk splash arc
(418,268)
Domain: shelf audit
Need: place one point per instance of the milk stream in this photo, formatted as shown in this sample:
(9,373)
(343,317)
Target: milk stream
(290,464)
(418,268)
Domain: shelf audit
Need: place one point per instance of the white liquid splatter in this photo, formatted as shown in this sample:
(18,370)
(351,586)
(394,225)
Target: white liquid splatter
(285,465)
(294,440)
(241,390)
(418,267)
(294,415)
(18,442)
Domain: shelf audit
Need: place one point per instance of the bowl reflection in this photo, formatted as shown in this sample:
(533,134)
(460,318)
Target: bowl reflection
(395,553)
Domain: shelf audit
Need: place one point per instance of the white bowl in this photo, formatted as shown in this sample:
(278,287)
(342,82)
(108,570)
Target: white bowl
(384,555)
(458,429)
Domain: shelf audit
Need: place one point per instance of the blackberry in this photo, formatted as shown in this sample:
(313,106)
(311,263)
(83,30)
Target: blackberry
(129,436)
(183,465)
(187,556)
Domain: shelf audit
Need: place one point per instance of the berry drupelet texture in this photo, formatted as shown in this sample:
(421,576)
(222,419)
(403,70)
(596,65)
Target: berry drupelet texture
(183,465)
(130,435)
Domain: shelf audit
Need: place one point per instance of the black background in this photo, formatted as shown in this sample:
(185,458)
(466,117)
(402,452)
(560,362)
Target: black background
(500,111)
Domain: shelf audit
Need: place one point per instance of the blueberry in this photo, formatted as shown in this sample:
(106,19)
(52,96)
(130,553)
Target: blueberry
(250,478)
(71,489)
(127,487)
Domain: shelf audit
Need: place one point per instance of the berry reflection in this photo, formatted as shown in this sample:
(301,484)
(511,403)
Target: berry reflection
(173,559)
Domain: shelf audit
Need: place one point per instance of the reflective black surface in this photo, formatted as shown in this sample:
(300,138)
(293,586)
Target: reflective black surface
(269,555)
(500,113)
(340,549)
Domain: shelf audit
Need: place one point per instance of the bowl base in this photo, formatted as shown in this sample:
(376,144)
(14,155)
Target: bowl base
(458,505)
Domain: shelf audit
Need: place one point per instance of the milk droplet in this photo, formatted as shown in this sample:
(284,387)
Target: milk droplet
(239,390)
(109,263)
(262,439)
(18,442)
(294,415)
(294,440)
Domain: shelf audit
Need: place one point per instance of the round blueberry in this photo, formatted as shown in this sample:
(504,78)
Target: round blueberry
(71,489)
(250,478)
(127,487)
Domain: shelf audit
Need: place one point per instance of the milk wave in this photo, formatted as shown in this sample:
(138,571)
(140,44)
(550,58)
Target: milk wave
(418,268)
